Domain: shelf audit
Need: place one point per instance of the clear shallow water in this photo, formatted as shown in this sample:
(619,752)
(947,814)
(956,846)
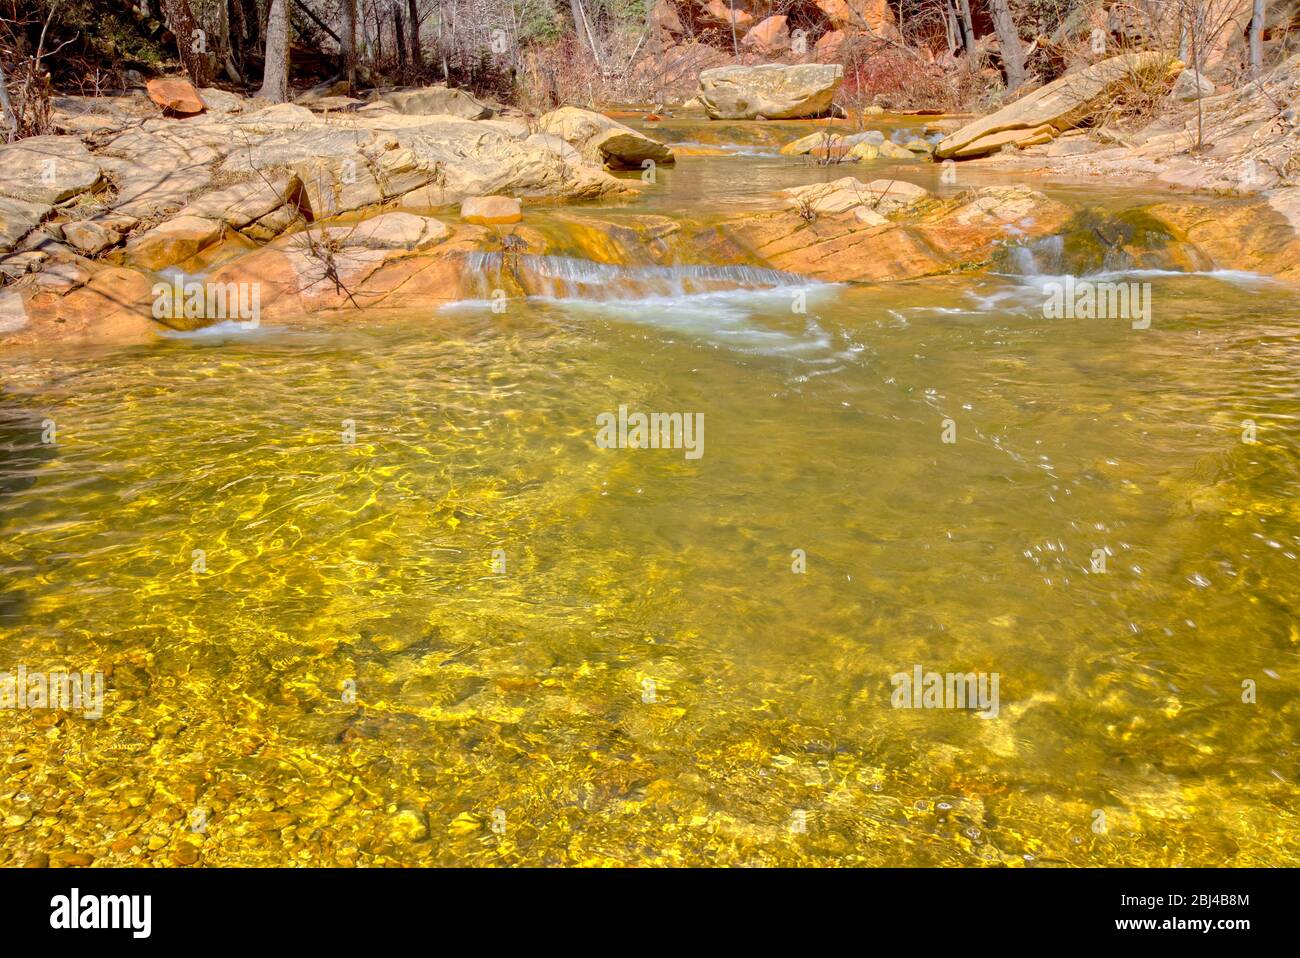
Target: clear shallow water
(648,680)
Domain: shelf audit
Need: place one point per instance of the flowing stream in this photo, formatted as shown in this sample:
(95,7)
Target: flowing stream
(368,590)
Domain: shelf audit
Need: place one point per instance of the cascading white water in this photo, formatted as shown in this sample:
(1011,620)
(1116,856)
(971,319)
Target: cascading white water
(1042,256)
(746,308)
(568,277)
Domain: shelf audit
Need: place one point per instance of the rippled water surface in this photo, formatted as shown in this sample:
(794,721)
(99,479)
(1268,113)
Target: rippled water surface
(568,654)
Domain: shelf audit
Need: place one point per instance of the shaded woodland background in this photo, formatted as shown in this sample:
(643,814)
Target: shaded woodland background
(537,54)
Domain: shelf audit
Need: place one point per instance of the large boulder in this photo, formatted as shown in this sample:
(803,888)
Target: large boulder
(104,304)
(855,16)
(772,91)
(769,36)
(1059,106)
(220,101)
(716,13)
(603,140)
(437,101)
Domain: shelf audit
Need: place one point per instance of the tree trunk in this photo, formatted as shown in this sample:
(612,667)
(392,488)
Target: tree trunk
(6,109)
(181,22)
(1013,55)
(442,43)
(275,77)
(584,29)
(967,28)
(1257,39)
(950,28)
(417,55)
(348,42)
(400,36)
(252,22)
(1196,67)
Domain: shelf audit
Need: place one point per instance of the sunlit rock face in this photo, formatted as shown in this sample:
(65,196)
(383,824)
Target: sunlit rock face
(771,91)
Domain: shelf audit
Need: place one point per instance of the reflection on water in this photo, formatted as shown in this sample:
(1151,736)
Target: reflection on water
(468,635)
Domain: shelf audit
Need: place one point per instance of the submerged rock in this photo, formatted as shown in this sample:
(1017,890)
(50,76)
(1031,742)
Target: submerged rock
(822,140)
(888,230)
(491,210)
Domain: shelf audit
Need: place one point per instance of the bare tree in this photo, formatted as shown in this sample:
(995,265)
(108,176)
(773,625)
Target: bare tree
(584,28)
(6,108)
(1013,57)
(275,77)
(181,22)
(1257,38)
(967,27)
(417,55)
(348,42)
(400,37)
(951,30)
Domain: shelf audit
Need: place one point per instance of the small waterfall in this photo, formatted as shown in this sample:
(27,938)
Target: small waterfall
(1043,256)
(567,277)
(742,308)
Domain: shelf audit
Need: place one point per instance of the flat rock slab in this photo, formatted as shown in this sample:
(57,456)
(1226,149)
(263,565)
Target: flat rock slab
(1060,105)
(242,203)
(18,218)
(387,231)
(48,169)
